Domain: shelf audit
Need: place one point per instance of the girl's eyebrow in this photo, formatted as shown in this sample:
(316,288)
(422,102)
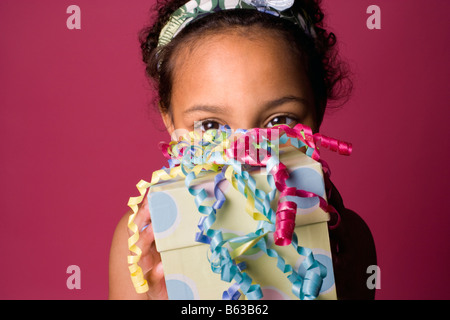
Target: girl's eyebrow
(205,108)
(278,102)
(267,105)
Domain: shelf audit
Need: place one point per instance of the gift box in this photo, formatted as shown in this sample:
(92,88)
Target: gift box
(229,251)
(241,215)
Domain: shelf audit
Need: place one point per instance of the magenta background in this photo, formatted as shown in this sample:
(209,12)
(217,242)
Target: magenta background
(76,137)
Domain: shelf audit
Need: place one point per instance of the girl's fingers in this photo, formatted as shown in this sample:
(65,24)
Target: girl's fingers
(142,218)
(146,236)
(157,283)
(150,260)
(150,257)
(152,268)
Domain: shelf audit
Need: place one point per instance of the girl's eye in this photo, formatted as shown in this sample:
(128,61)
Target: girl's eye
(281,120)
(209,124)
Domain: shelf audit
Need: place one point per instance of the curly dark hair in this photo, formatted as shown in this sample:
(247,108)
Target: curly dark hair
(327,73)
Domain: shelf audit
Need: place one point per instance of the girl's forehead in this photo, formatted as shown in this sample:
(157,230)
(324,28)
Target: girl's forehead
(236,37)
(238,74)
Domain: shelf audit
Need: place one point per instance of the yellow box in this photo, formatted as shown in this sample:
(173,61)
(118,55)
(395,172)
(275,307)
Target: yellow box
(187,268)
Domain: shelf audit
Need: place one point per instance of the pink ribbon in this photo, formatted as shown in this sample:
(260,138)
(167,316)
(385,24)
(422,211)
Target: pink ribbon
(286,210)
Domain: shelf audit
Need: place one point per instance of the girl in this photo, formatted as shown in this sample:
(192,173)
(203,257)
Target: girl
(246,64)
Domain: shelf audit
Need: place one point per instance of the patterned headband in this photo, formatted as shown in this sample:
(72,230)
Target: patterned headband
(196,9)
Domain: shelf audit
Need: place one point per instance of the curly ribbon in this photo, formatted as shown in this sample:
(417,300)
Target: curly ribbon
(221,149)
(303,288)
(223,146)
(137,276)
(221,260)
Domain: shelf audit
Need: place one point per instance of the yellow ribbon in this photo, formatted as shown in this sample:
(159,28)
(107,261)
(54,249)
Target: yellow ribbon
(137,276)
(250,204)
(246,246)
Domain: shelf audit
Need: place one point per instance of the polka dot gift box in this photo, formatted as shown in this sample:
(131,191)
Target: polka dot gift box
(243,215)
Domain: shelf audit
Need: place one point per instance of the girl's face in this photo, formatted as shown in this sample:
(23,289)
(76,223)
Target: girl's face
(241,81)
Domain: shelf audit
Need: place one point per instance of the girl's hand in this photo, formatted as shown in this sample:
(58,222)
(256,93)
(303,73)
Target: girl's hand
(120,284)
(150,260)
